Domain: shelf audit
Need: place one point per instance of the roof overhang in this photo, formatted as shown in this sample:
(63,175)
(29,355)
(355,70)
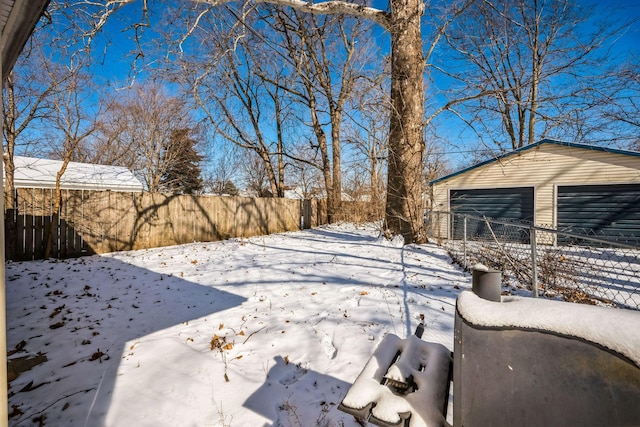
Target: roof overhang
(18,18)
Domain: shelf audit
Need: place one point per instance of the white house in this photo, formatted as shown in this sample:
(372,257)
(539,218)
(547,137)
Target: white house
(41,173)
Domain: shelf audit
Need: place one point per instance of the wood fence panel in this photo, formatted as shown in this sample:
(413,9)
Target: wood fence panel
(139,228)
(42,224)
(72,215)
(202,229)
(225,210)
(105,221)
(25,233)
(90,227)
(125,218)
(200,217)
(245,215)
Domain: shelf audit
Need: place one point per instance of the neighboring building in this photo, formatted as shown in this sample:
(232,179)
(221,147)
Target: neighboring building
(573,187)
(41,173)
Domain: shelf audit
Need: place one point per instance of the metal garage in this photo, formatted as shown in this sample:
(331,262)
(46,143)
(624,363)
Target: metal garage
(510,204)
(605,211)
(571,186)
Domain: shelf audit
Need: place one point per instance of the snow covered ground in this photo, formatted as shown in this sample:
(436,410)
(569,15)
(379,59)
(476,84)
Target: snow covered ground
(267,331)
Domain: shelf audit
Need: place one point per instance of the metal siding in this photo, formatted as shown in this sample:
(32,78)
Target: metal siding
(504,203)
(606,211)
(500,203)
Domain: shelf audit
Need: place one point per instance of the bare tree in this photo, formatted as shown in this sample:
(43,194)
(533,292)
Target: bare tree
(404,184)
(224,165)
(27,102)
(227,80)
(256,176)
(539,62)
(72,121)
(328,62)
(305,172)
(404,204)
(138,130)
(621,109)
(367,135)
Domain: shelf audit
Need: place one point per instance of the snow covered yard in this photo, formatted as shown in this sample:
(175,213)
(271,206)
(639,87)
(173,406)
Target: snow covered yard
(267,331)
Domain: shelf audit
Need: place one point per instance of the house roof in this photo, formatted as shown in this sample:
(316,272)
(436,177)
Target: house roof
(17,20)
(532,146)
(41,173)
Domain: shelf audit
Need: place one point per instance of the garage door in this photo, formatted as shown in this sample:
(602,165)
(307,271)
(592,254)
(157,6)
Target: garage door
(512,204)
(606,211)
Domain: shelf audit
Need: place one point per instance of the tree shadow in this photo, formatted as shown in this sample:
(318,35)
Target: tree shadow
(83,324)
(313,397)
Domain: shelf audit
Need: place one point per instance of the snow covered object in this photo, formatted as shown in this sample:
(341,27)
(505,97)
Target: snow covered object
(538,362)
(516,362)
(404,383)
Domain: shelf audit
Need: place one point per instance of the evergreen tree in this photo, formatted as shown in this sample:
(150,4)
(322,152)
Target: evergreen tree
(183,172)
(230,188)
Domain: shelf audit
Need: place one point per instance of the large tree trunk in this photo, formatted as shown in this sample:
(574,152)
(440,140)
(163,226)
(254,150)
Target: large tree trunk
(404,208)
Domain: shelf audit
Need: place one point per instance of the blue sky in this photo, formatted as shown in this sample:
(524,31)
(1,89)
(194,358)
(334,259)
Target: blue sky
(118,51)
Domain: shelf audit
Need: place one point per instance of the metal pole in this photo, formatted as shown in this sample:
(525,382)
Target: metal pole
(487,284)
(464,242)
(534,263)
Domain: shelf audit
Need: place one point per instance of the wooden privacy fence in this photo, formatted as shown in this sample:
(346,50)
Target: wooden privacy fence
(104,221)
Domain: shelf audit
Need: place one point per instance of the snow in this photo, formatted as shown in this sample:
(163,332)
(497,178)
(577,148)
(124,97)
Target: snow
(425,403)
(615,329)
(32,172)
(266,331)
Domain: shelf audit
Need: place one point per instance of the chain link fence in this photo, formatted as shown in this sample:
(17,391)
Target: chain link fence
(540,261)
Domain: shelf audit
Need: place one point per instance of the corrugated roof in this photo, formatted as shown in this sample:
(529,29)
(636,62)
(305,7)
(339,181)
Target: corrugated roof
(41,173)
(534,145)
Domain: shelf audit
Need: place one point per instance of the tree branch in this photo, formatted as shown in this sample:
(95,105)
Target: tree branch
(324,8)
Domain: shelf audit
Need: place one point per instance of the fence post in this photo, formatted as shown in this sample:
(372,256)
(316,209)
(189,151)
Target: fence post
(464,242)
(305,213)
(534,262)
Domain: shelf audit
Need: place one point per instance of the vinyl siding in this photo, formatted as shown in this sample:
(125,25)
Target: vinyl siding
(544,168)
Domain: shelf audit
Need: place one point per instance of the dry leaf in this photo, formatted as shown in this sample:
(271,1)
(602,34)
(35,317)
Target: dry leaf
(221,326)
(241,333)
(216,342)
(227,346)
(238,357)
(286,359)
(364,293)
